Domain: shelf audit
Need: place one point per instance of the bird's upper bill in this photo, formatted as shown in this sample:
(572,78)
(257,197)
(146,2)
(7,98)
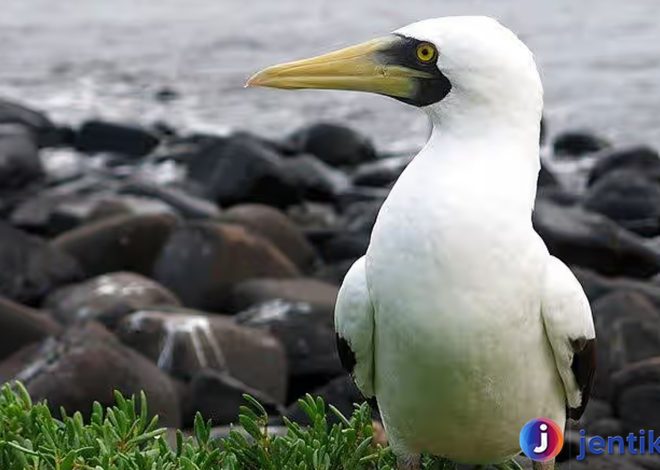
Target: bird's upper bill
(396,66)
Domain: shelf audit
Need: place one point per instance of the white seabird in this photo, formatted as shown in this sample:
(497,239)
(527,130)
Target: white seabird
(457,319)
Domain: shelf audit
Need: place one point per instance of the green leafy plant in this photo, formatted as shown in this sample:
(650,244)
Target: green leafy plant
(122,437)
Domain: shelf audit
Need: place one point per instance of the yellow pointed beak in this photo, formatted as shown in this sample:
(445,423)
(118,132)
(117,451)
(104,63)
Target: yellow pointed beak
(362,67)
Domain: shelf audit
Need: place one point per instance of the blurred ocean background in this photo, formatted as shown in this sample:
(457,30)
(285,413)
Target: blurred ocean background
(185,62)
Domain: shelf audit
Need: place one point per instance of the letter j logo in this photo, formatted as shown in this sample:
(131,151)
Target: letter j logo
(541,439)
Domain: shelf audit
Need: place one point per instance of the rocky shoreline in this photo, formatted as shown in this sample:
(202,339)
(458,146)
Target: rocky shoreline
(201,267)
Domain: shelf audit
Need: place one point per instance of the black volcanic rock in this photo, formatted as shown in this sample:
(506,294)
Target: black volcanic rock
(590,240)
(316,180)
(65,207)
(642,159)
(334,144)
(186,204)
(636,395)
(30,268)
(597,286)
(87,364)
(218,396)
(185,342)
(321,295)
(122,243)
(626,330)
(41,127)
(202,261)
(276,227)
(107,298)
(239,169)
(380,173)
(20,326)
(122,139)
(308,336)
(576,143)
(341,392)
(547,178)
(629,198)
(19,157)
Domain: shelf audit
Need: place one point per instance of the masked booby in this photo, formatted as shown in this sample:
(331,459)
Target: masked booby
(457,319)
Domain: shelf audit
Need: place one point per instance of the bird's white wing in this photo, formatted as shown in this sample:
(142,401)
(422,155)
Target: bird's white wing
(354,324)
(570,329)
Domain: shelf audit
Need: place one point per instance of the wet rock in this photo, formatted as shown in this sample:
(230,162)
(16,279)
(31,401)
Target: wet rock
(124,243)
(54,212)
(30,268)
(19,157)
(606,427)
(20,326)
(202,261)
(627,331)
(312,216)
(362,194)
(547,178)
(636,395)
(380,173)
(237,169)
(334,273)
(597,286)
(316,180)
(361,216)
(320,295)
(308,336)
(341,392)
(596,410)
(643,160)
(48,214)
(334,144)
(107,299)
(277,228)
(166,94)
(344,246)
(122,139)
(184,342)
(40,126)
(60,208)
(576,143)
(218,397)
(558,196)
(591,240)
(628,198)
(282,147)
(87,364)
(187,205)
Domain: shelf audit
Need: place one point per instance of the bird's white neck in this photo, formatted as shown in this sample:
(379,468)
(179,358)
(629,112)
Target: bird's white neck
(494,156)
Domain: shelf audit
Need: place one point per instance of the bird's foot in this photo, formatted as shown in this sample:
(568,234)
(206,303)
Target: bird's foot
(509,465)
(549,465)
(408,462)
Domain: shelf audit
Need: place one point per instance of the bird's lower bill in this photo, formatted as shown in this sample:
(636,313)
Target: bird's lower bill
(363,67)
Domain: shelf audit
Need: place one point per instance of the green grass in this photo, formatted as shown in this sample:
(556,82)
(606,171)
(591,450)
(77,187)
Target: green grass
(122,437)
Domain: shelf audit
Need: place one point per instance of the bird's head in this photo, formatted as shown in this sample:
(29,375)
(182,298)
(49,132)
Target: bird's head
(457,64)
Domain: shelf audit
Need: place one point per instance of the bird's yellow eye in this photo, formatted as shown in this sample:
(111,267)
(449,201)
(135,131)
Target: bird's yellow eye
(426,52)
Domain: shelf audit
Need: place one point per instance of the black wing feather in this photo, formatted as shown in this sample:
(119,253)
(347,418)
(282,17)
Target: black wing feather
(583,367)
(346,354)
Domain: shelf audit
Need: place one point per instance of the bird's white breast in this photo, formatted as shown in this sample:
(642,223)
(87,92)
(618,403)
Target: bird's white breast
(454,273)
